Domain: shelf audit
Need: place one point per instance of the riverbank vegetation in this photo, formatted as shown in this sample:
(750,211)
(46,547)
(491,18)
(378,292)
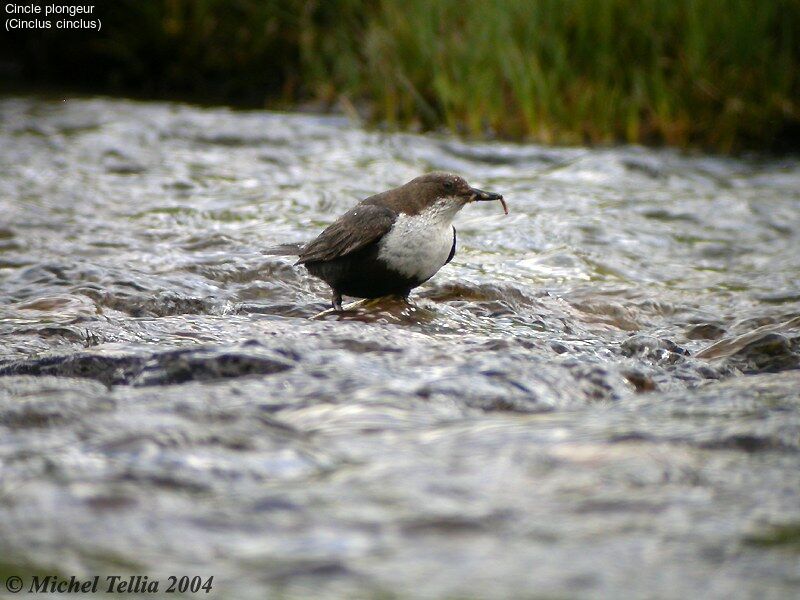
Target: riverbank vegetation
(717,74)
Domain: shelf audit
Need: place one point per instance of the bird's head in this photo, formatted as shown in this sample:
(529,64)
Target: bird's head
(447,192)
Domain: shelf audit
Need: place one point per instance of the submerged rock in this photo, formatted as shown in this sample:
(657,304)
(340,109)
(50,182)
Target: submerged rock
(653,348)
(160,368)
(202,365)
(769,353)
(705,331)
(109,370)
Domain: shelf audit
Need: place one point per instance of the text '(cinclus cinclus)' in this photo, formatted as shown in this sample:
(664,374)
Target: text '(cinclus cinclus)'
(394,241)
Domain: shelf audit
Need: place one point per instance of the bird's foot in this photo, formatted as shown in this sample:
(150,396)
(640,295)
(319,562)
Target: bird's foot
(336,302)
(396,309)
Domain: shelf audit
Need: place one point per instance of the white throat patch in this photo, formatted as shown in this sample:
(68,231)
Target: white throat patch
(418,246)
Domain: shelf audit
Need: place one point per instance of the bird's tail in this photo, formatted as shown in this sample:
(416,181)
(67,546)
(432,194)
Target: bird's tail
(284,250)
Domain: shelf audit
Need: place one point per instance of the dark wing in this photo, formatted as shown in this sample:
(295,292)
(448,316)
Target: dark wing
(453,249)
(358,227)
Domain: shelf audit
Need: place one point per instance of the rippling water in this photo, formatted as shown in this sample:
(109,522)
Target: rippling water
(598,397)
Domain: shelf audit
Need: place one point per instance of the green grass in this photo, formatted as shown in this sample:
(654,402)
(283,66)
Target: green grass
(718,74)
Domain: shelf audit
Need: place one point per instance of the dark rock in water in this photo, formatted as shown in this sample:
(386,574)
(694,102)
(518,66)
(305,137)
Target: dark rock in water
(181,366)
(653,348)
(489,391)
(593,382)
(164,368)
(705,331)
(640,381)
(769,353)
(110,370)
(785,535)
(158,305)
(747,443)
(119,162)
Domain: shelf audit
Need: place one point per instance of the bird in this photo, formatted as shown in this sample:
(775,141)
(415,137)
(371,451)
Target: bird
(392,242)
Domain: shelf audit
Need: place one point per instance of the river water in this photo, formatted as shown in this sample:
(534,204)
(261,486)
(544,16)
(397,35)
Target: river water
(598,397)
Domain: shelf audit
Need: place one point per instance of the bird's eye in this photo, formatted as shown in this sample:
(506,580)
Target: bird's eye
(449,185)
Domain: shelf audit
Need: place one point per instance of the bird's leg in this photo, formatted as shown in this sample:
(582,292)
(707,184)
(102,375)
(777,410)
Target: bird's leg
(336,301)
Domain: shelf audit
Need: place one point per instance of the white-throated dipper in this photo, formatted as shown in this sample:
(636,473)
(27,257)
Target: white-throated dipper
(394,241)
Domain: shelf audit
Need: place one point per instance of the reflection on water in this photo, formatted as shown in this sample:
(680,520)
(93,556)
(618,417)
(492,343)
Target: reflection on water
(597,397)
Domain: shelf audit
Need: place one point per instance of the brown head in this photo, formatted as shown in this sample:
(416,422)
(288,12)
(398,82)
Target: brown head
(427,190)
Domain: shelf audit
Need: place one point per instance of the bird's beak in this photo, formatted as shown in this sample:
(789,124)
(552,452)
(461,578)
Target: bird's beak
(477,195)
